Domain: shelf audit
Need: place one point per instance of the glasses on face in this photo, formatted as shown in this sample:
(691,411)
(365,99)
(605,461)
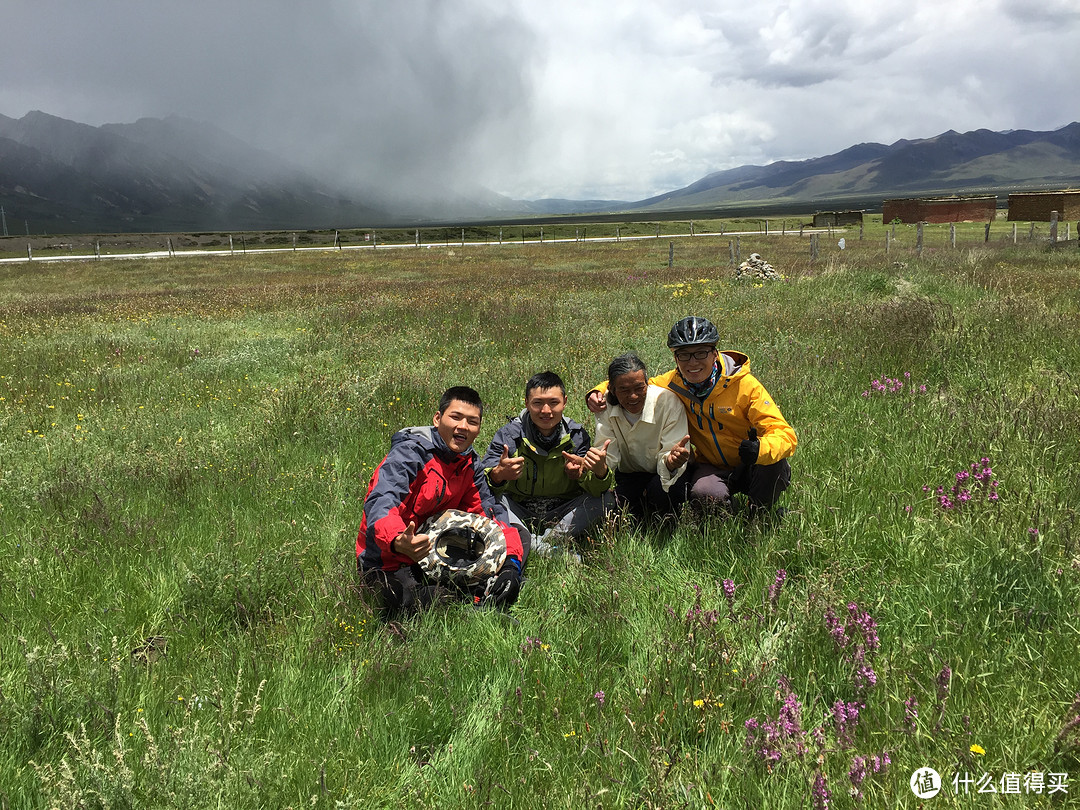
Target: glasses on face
(700,354)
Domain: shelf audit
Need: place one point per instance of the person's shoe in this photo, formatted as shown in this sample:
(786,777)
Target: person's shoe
(542,548)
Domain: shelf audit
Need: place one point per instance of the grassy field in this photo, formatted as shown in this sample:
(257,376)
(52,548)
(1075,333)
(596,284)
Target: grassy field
(185,444)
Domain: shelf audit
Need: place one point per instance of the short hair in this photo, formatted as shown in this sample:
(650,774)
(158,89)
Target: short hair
(623,364)
(543,381)
(461,393)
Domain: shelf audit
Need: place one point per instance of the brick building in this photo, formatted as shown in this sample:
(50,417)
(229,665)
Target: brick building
(1036,207)
(942,209)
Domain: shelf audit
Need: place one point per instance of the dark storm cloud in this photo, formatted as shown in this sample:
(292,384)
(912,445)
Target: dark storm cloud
(620,100)
(405,94)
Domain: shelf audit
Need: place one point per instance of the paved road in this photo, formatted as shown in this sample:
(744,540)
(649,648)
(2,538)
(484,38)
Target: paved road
(165,254)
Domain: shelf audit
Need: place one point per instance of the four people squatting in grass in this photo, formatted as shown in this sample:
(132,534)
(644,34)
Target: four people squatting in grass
(726,436)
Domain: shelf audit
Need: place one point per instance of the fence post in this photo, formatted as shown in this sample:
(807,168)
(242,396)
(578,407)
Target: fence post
(500,236)
(691,227)
(860,230)
(418,237)
(1014,233)
(170,247)
(294,242)
(463,236)
(731,252)
(986,236)
(670,255)
(766,227)
(1053,226)
(230,245)
(919,237)
(952,235)
(97,249)
(1031,232)
(243,243)
(29,253)
(888,243)
(813,247)
(657,230)
(618,237)
(337,239)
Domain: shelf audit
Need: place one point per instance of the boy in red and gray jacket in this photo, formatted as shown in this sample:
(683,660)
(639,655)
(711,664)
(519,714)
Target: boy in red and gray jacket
(427,471)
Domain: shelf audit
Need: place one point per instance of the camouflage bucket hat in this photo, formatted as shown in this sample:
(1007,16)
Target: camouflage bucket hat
(465,547)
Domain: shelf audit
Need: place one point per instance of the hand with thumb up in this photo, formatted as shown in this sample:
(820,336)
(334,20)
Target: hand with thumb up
(595,460)
(509,467)
(412,545)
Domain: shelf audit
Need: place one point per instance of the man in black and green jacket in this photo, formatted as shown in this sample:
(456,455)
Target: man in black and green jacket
(554,482)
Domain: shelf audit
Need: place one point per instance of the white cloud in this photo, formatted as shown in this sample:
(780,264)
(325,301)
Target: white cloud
(563,98)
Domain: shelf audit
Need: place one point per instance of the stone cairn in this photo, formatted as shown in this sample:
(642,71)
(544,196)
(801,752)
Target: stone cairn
(757,269)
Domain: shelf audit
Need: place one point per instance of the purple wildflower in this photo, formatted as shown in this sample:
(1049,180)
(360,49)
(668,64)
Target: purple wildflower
(968,484)
(886,386)
(911,714)
(861,767)
(599,697)
(944,680)
(771,739)
(857,641)
(865,677)
(820,792)
(728,586)
(856,775)
(866,625)
(845,718)
(774,589)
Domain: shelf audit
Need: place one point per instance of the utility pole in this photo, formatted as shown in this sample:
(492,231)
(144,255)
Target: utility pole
(3,216)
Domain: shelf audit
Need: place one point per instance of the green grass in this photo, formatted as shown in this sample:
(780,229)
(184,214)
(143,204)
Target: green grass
(185,444)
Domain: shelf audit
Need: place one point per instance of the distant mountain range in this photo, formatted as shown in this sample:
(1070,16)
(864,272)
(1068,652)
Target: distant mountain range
(174,174)
(168,174)
(982,162)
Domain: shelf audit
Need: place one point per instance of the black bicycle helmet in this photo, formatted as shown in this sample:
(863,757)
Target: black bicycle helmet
(693,331)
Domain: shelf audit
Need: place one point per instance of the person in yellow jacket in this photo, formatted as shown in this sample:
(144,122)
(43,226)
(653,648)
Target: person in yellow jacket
(740,439)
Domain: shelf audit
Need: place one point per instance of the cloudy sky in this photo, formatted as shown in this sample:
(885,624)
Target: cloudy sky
(562,98)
